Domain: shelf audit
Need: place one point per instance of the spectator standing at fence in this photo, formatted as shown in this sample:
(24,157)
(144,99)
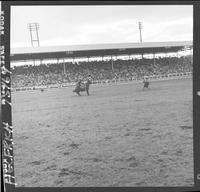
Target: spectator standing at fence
(146,83)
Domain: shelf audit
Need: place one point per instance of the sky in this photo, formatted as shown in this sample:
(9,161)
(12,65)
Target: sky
(70,25)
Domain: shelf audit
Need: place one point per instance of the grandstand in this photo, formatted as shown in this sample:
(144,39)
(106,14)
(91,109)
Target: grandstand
(64,72)
(74,51)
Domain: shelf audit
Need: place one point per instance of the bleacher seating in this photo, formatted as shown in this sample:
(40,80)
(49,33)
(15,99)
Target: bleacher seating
(49,74)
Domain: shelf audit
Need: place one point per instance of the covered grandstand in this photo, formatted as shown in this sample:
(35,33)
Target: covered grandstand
(97,50)
(64,72)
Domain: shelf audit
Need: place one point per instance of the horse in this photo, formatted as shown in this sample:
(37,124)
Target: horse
(83,87)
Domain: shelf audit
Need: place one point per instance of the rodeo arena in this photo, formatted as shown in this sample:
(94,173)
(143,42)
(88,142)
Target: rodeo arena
(103,115)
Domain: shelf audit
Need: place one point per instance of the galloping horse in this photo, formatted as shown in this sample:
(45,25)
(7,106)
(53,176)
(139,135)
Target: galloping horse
(83,87)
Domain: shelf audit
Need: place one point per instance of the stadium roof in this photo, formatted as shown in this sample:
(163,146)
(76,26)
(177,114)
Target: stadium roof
(71,51)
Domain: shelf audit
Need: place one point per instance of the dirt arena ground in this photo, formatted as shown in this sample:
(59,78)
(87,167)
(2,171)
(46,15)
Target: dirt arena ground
(118,136)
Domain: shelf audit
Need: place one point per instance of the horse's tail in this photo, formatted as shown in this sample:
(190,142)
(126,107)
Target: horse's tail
(76,89)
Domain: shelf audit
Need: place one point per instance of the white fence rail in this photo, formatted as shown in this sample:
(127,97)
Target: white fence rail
(114,81)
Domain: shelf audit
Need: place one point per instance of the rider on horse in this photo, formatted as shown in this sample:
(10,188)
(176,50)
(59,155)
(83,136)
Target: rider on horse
(79,83)
(82,86)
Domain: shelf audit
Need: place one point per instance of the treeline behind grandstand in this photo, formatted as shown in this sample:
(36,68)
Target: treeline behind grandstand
(49,74)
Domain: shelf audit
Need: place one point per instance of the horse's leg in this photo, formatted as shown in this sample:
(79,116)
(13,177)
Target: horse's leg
(87,90)
(78,93)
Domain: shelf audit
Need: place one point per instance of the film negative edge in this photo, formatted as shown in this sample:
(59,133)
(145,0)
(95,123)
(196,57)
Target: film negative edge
(6,124)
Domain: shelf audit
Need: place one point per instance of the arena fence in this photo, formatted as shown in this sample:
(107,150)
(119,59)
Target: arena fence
(114,81)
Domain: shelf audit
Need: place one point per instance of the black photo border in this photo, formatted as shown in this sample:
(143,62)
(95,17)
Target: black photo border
(7,159)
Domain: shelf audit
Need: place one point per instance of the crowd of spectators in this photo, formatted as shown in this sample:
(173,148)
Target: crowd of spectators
(49,74)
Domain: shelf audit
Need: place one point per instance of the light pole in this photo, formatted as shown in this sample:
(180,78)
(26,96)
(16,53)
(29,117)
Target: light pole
(140,29)
(33,28)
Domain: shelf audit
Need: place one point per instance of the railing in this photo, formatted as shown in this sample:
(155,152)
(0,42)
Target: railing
(114,81)
(150,78)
